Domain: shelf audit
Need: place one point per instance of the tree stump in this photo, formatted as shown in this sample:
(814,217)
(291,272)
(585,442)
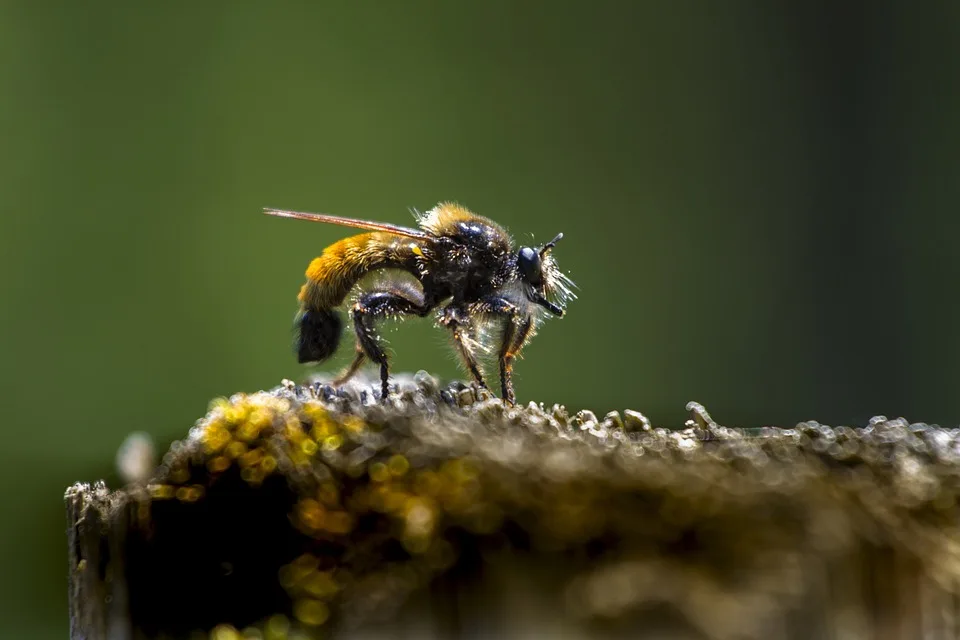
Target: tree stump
(308,511)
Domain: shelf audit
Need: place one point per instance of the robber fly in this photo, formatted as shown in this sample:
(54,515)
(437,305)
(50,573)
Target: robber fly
(494,295)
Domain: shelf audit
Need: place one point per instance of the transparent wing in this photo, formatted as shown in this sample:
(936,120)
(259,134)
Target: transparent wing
(352,222)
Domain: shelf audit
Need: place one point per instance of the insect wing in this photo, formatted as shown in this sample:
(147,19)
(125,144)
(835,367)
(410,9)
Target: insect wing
(396,230)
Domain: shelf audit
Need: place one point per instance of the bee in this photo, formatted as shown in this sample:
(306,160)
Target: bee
(489,294)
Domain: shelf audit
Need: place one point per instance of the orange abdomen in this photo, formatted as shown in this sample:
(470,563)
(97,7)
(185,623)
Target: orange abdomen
(341,265)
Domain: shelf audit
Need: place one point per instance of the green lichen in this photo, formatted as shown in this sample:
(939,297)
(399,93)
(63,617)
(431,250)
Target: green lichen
(377,501)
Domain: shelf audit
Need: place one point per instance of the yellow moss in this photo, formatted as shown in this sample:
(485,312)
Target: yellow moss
(311,513)
(215,437)
(218,464)
(311,612)
(224,632)
(291,423)
(285,577)
(332,443)
(277,628)
(320,584)
(394,501)
(353,424)
(260,418)
(293,574)
(236,412)
(323,425)
(252,476)
(249,430)
(398,465)
(411,492)
(250,458)
(293,432)
(307,561)
(309,447)
(235,449)
(161,491)
(219,405)
(328,494)
(314,412)
(379,472)
(460,470)
(268,464)
(338,522)
(427,483)
(190,494)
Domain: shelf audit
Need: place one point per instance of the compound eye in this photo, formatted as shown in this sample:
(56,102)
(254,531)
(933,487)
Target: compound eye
(529,262)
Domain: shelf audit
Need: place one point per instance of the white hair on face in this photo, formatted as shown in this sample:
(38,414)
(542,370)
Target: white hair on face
(558,287)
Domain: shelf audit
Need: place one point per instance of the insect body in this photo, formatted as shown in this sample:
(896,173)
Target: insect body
(493,295)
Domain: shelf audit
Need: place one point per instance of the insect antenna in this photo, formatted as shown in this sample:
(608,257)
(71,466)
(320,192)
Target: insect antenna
(551,245)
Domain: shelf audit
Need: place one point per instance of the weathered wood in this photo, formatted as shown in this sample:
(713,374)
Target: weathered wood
(96,532)
(444,515)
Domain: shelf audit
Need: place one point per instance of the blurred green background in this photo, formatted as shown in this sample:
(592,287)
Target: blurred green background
(759,202)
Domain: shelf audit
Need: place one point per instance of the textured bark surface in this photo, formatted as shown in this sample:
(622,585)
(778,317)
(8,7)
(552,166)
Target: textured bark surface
(96,541)
(308,512)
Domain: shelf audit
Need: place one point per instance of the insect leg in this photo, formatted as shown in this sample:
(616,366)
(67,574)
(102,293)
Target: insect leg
(457,320)
(518,328)
(371,306)
(514,337)
(352,369)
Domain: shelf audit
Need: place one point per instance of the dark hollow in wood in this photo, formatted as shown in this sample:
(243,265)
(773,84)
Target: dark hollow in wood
(310,512)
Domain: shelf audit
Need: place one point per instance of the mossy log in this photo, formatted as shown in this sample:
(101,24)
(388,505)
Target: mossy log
(306,511)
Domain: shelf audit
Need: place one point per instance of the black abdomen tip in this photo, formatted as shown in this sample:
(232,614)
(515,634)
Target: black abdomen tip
(318,335)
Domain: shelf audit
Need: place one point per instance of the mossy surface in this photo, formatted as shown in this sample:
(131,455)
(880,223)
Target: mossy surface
(317,509)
